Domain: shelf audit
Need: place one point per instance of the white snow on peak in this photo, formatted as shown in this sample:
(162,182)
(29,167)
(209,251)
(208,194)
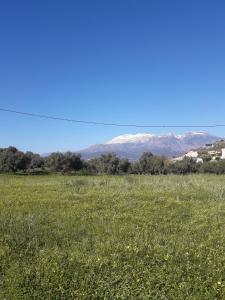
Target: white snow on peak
(145,137)
(131,138)
(196,133)
(192,133)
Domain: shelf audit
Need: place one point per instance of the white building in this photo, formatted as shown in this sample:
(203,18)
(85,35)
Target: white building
(199,160)
(223,153)
(192,154)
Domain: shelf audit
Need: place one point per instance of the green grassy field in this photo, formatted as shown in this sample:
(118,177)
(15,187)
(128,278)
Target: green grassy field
(128,237)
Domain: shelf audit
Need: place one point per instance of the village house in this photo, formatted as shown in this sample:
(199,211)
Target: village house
(208,146)
(223,153)
(214,150)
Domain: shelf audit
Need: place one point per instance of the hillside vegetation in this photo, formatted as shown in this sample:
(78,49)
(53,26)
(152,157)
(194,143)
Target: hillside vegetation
(14,161)
(111,237)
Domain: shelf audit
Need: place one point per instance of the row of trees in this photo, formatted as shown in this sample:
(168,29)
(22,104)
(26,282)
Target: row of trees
(13,160)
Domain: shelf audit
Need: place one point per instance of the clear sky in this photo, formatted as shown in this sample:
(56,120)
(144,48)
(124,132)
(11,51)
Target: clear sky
(126,61)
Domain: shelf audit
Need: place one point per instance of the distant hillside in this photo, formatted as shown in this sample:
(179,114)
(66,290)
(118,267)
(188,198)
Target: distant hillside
(131,146)
(210,152)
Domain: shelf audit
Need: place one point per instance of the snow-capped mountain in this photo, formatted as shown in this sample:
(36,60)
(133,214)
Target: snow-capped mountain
(131,138)
(146,137)
(133,145)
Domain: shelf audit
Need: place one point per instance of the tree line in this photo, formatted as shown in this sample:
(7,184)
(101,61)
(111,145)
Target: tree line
(14,161)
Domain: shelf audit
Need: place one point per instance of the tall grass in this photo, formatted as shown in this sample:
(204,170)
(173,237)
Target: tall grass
(102,237)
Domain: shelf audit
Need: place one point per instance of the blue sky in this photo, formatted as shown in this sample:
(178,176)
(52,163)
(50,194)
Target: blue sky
(125,61)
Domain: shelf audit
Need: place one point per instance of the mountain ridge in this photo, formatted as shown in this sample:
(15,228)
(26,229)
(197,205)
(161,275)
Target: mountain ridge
(131,146)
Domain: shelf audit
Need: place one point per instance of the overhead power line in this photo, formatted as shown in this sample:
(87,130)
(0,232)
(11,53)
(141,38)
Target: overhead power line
(36,115)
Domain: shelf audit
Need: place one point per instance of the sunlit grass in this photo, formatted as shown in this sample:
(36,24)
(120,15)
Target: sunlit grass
(102,237)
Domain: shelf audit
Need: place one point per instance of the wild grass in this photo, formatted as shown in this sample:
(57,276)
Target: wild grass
(102,237)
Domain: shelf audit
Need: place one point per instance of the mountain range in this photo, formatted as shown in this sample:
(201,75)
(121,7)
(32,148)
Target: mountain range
(132,146)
